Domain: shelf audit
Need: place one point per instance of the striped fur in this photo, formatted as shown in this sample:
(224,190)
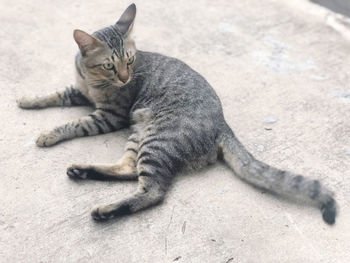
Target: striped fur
(176,120)
(284,183)
(71,96)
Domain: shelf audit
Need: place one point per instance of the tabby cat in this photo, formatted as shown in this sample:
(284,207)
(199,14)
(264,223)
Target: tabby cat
(176,119)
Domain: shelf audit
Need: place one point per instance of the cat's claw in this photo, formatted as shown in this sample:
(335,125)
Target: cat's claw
(47,140)
(76,173)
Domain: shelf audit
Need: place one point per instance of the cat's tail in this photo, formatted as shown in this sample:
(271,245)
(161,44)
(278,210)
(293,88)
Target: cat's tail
(284,183)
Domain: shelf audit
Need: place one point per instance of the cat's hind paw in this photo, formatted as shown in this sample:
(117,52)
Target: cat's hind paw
(76,172)
(47,140)
(101,213)
(106,212)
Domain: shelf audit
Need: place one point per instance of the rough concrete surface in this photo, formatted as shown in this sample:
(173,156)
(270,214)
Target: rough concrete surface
(267,60)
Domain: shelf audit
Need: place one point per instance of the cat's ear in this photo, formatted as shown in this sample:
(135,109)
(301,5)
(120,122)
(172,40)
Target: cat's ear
(126,21)
(85,41)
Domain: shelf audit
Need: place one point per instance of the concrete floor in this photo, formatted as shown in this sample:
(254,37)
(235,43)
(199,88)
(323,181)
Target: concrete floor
(262,57)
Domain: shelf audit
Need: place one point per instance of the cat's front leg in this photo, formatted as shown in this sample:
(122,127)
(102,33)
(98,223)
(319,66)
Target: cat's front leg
(99,122)
(69,97)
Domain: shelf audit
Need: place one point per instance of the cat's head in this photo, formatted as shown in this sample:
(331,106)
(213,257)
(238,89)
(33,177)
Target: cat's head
(109,54)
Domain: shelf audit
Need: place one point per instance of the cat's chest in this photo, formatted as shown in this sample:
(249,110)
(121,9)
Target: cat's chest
(109,96)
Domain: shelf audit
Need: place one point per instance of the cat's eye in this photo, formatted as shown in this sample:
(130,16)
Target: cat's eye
(131,60)
(108,66)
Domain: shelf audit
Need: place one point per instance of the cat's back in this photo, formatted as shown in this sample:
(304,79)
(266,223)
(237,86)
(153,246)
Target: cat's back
(169,80)
(184,114)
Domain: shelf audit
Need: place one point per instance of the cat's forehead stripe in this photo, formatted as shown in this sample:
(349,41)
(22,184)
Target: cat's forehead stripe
(119,54)
(113,39)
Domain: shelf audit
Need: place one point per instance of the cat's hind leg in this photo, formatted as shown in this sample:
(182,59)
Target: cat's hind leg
(124,169)
(154,179)
(69,97)
(119,171)
(151,191)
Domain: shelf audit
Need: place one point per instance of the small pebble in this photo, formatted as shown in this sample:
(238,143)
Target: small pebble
(270,119)
(30,143)
(260,148)
(343,95)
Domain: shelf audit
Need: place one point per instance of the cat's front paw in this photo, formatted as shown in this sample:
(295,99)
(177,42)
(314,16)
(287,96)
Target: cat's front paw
(47,139)
(102,212)
(27,103)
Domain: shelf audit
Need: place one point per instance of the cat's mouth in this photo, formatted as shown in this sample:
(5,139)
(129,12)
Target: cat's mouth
(120,83)
(123,80)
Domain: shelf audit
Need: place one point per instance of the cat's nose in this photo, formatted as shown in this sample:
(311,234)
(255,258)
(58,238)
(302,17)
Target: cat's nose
(123,76)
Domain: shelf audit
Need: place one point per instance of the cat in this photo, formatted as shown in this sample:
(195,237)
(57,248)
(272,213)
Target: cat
(176,119)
